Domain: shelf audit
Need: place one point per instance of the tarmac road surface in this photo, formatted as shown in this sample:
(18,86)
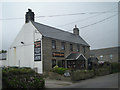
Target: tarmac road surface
(107,81)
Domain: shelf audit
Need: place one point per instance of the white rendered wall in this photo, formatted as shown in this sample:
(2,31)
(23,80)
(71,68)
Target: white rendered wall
(3,63)
(22,55)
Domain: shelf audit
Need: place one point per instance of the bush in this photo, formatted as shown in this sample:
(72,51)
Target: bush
(21,78)
(59,70)
(115,67)
(16,71)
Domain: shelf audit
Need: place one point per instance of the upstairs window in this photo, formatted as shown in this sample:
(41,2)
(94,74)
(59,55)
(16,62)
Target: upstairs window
(84,50)
(101,57)
(63,45)
(71,47)
(111,56)
(78,48)
(53,44)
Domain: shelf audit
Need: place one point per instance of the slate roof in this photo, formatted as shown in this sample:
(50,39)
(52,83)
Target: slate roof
(76,56)
(55,33)
(72,56)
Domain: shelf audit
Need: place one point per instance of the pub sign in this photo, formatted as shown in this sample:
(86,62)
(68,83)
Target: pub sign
(58,54)
(37,51)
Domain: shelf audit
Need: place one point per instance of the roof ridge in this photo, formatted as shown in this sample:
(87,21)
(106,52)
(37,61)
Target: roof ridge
(54,28)
(106,48)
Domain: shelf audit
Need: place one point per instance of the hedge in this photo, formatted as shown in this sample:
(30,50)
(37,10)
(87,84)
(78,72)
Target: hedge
(115,67)
(21,78)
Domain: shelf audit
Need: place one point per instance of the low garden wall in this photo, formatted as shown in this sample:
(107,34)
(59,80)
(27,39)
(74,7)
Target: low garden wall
(58,73)
(56,76)
(102,71)
(81,74)
(76,75)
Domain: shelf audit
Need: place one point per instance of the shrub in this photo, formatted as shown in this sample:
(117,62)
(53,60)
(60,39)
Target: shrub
(21,78)
(59,70)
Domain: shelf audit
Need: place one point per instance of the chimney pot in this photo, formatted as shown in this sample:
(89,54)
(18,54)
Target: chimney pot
(29,16)
(76,30)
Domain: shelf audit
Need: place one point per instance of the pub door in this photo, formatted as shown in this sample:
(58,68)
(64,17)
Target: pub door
(80,64)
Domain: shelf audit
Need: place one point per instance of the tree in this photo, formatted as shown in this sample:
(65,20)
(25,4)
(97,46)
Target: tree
(3,51)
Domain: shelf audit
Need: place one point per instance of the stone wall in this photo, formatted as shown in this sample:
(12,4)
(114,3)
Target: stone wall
(106,52)
(56,76)
(47,51)
(81,75)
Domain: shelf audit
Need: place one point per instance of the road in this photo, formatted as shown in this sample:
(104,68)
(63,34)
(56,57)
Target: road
(107,81)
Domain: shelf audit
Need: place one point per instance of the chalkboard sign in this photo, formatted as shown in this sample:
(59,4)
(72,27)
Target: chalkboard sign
(67,74)
(37,51)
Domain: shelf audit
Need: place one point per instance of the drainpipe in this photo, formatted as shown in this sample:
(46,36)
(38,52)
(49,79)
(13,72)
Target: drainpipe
(19,63)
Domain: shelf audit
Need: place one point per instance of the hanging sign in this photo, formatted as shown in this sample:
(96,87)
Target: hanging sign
(37,51)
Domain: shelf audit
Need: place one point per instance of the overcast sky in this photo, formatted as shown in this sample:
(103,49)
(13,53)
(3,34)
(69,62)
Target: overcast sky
(104,34)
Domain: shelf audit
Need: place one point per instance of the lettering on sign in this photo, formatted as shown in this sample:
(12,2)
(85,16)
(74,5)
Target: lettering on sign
(58,54)
(37,51)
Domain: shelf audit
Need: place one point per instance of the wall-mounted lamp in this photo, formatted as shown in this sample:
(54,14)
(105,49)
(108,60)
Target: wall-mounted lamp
(14,47)
(22,42)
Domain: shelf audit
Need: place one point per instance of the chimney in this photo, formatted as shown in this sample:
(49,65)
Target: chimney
(76,30)
(29,16)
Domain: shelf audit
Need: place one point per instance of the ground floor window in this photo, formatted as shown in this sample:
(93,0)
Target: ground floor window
(61,63)
(53,63)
